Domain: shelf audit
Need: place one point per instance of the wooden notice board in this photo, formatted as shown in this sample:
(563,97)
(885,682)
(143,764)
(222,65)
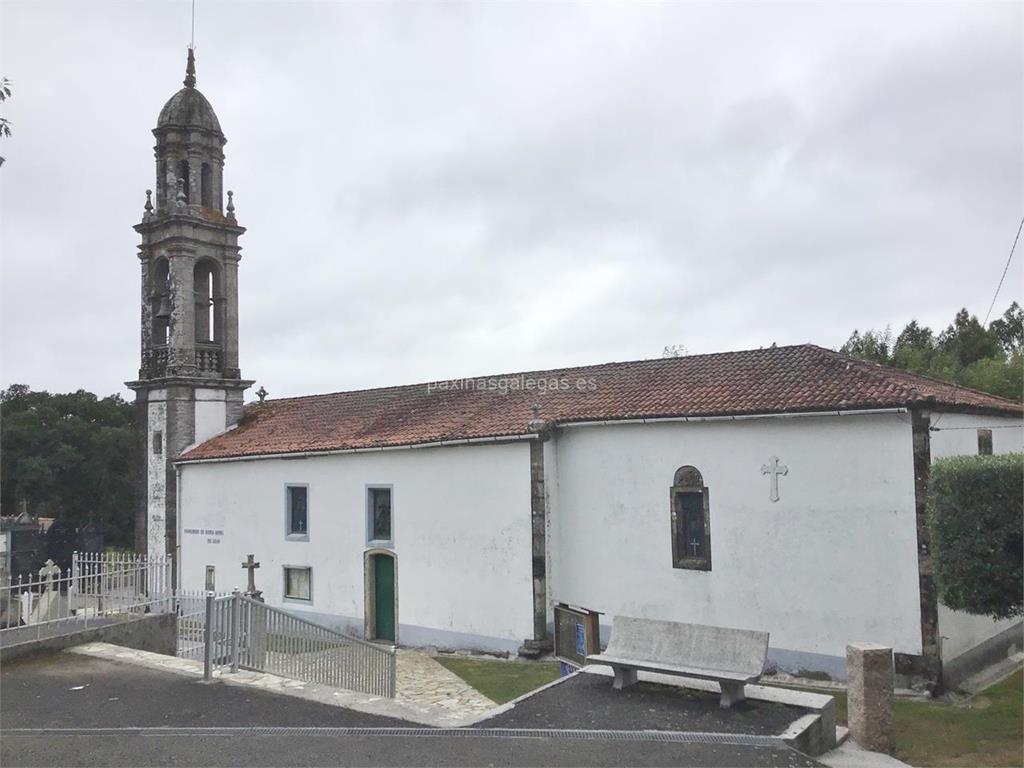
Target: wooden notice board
(577,634)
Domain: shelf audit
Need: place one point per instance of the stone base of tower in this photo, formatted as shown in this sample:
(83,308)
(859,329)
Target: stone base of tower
(171,416)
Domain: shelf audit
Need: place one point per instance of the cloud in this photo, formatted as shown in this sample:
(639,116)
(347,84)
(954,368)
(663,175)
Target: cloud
(443,190)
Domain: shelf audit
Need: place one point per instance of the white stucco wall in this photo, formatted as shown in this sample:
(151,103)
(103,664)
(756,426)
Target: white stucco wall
(461,522)
(833,561)
(211,413)
(961,631)
(956,434)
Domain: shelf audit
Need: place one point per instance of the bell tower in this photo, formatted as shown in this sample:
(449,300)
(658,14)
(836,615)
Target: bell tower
(190,386)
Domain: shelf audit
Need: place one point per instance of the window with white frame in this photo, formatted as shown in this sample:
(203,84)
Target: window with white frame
(297,511)
(298,583)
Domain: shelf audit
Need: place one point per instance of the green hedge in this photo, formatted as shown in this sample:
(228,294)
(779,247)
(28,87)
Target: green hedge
(976,514)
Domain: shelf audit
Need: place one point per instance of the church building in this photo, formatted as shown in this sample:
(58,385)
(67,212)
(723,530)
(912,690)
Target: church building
(778,489)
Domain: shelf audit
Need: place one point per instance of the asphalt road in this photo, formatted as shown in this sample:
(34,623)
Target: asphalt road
(590,702)
(50,706)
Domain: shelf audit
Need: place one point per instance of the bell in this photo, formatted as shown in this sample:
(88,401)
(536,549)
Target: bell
(163,309)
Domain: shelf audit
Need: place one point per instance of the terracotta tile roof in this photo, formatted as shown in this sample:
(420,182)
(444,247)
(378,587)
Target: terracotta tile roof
(761,381)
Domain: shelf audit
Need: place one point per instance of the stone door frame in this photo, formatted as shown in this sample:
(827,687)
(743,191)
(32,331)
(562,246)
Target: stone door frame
(370,592)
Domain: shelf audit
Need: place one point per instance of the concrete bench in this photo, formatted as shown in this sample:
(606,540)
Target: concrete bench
(733,657)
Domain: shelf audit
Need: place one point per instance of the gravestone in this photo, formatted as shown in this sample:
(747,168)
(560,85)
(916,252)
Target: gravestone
(869,671)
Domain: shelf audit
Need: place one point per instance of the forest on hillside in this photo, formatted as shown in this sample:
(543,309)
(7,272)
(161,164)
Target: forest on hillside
(968,353)
(69,456)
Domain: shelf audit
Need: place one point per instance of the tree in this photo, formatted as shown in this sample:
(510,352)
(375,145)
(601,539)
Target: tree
(675,350)
(69,456)
(989,359)
(873,346)
(975,519)
(968,340)
(1009,329)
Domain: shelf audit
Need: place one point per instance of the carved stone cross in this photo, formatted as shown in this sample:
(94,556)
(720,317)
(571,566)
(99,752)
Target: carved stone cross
(49,572)
(774,469)
(251,565)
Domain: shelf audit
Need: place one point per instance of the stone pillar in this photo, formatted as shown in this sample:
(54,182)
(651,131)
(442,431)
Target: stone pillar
(229,328)
(256,631)
(930,665)
(869,671)
(541,642)
(539,539)
(181,358)
(146,318)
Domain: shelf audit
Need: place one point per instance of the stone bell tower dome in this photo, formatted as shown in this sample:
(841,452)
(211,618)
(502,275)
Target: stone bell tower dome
(189,386)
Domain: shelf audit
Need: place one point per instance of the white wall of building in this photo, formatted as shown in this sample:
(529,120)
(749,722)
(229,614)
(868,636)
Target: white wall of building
(461,524)
(833,561)
(211,413)
(956,434)
(961,631)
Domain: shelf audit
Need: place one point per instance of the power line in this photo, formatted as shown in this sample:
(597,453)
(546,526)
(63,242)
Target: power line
(1005,269)
(984,426)
(956,384)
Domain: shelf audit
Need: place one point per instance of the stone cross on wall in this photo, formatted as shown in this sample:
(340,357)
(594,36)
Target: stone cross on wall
(250,564)
(48,573)
(774,469)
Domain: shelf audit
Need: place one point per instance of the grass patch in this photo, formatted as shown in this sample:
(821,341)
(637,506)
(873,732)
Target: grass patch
(501,681)
(986,731)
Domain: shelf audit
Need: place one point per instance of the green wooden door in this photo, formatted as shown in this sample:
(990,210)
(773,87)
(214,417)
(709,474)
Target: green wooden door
(384,597)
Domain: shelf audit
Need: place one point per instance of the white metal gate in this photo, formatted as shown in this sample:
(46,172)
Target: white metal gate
(234,632)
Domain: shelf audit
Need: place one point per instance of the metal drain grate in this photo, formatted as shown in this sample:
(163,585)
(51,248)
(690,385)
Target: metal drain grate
(681,737)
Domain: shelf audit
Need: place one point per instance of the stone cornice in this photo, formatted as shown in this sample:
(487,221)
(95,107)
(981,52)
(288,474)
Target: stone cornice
(190,381)
(181,220)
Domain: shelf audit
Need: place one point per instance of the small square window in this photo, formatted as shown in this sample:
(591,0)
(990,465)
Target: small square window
(984,442)
(379,515)
(297,523)
(298,583)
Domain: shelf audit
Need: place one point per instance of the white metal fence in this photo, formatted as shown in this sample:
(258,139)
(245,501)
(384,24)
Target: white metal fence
(235,632)
(96,587)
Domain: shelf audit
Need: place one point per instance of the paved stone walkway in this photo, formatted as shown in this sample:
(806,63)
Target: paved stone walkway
(427,693)
(423,682)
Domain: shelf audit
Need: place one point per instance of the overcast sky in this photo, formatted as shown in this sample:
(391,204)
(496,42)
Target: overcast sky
(443,190)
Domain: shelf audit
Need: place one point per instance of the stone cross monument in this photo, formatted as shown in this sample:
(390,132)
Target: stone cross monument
(250,564)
